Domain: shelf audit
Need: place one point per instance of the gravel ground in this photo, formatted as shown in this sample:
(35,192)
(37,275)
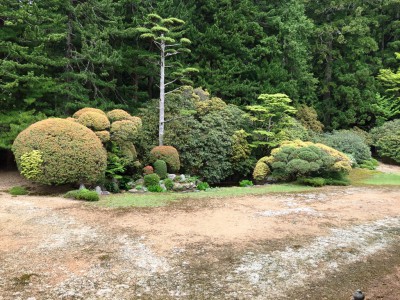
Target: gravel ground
(264,247)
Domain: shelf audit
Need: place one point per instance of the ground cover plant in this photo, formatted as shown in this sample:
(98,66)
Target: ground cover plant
(18,190)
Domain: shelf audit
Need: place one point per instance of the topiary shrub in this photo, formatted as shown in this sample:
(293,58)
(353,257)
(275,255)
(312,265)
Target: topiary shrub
(386,139)
(94,121)
(168,154)
(118,115)
(160,167)
(70,153)
(151,179)
(82,194)
(80,112)
(148,170)
(347,142)
(202,186)
(125,130)
(169,184)
(302,159)
(103,135)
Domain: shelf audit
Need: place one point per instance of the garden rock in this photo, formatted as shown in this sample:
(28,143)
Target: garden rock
(98,190)
(184,187)
(171,176)
(183,177)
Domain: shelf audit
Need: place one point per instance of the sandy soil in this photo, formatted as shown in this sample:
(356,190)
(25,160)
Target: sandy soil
(286,246)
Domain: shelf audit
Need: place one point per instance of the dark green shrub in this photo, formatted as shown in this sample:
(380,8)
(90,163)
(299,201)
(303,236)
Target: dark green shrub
(169,184)
(347,142)
(68,153)
(160,167)
(83,194)
(312,181)
(112,186)
(386,139)
(168,154)
(151,179)
(202,186)
(155,189)
(245,183)
(18,190)
(370,164)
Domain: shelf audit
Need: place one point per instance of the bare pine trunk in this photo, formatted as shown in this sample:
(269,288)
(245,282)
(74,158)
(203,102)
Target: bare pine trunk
(162,95)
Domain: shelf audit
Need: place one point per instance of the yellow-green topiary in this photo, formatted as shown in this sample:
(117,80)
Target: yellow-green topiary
(103,135)
(118,115)
(261,171)
(80,112)
(168,154)
(125,130)
(94,121)
(206,106)
(71,153)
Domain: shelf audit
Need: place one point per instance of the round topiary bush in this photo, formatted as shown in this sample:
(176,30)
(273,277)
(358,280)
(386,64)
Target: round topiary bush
(58,151)
(168,154)
(160,167)
(94,121)
(103,135)
(80,112)
(125,130)
(151,179)
(386,139)
(118,115)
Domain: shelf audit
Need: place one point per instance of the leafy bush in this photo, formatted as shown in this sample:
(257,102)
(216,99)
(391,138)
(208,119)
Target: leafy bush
(386,139)
(148,170)
(261,169)
(82,194)
(309,118)
(160,167)
(316,181)
(125,130)
(112,186)
(18,190)
(95,121)
(118,115)
(169,184)
(347,142)
(31,164)
(370,164)
(71,153)
(168,154)
(155,188)
(151,179)
(202,186)
(245,183)
(303,159)
(103,135)
(80,112)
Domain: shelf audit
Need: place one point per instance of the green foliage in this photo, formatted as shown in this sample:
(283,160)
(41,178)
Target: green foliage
(202,186)
(245,183)
(302,159)
(155,188)
(160,167)
(169,155)
(312,181)
(169,184)
(151,179)
(386,139)
(94,121)
(308,117)
(347,142)
(71,153)
(82,194)
(31,164)
(270,118)
(370,164)
(18,190)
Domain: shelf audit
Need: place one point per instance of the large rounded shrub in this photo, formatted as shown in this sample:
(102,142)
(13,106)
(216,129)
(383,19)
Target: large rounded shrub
(80,112)
(302,159)
(168,154)
(125,130)
(118,115)
(386,139)
(60,151)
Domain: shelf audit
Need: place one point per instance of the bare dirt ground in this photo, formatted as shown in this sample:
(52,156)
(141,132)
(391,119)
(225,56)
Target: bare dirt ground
(323,244)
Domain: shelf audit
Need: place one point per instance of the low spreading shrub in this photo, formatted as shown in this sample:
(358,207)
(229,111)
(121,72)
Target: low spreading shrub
(370,164)
(169,184)
(82,194)
(151,179)
(168,154)
(245,183)
(18,190)
(155,189)
(202,186)
(160,167)
(316,181)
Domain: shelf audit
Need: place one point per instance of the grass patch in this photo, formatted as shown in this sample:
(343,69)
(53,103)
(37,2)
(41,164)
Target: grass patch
(369,177)
(163,199)
(18,190)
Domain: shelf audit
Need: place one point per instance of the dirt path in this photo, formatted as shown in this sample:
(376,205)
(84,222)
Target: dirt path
(317,245)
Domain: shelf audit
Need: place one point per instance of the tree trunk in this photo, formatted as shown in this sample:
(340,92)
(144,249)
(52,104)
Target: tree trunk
(162,94)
